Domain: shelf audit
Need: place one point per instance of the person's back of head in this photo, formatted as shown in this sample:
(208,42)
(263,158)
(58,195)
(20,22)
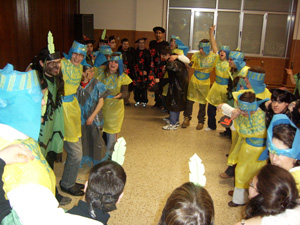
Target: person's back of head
(105,186)
(189,204)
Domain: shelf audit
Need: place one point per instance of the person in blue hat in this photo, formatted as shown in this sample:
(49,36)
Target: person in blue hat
(283,146)
(72,74)
(218,91)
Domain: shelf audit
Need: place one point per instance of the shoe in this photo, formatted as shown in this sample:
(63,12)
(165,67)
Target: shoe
(177,124)
(230,193)
(224,175)
(185,123)
(137,104)
(232,204)
(208,129)
(169,127)
(164,110)
(80,186)
(64,201)
(144,104)
(166,119)
(72,191)
(199,126)
(127,104)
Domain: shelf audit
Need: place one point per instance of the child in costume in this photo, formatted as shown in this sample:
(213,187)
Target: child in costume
(72,74)
(203,62)
(90,95)
(116,82)
(251,128)
(30,187)
(218,91)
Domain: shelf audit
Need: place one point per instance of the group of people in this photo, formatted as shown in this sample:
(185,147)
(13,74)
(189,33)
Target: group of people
(80,100)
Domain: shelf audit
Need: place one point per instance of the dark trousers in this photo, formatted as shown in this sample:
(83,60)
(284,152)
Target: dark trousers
(158,97)
(140,95)
(211,116)
(189,110)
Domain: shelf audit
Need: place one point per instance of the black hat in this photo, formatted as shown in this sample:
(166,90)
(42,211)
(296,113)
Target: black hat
(137,41)
(159,28)
(87,40)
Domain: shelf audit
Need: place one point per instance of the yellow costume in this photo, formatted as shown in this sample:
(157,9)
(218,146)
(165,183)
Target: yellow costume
(296,174)
(200,82)
(72,116)
(242,73)
(113,109)
(218,91)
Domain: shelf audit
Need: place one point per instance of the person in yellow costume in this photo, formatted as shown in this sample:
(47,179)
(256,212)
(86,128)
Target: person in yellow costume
(72,73)
(203,62)
(283,146)
(30,187)
(218,91)
(116,81)
(251,128)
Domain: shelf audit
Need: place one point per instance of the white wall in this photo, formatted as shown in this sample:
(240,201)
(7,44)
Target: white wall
(297,23)
(139,15)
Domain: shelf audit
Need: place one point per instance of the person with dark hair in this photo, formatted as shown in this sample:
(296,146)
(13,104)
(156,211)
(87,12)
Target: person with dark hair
(91,94)
(177,90)
(203,62)
(112,42)
(72,74)
(251,128)
(188,204)
(283,145)
(117,82)
(90,58)
(273,198)
(104,190)
(157,65)
(128,61)
(217,92)
(141,69)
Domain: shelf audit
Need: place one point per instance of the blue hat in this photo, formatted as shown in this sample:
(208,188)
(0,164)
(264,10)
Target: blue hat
(105,49)
(180,45)
(293,152)
(20,100)
(117,56)
(100,60)
(226,49)
(76,48)
(257,81)
(205,46)
(238,59)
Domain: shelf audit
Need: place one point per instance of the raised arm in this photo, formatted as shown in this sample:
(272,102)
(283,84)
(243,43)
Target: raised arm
(212,39)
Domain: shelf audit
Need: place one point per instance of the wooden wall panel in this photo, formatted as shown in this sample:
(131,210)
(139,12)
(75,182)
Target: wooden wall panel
(25,25)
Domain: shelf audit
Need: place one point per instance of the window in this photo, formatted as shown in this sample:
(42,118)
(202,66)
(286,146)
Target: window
(258,28)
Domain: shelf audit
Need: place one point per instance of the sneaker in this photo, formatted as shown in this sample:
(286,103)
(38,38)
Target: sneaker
(169,127)
(186,122)
(200,126)
(208,129)
(144,104)
(137,104)
(177,124)
(166,119)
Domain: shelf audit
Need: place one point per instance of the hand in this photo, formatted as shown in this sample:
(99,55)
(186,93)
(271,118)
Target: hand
(289,71)
(211,29)
(220,106)
(156,80)
(90,120)
(173,58)
(16,153)
(292,106)
(118,96)
(144,73)
(235,113)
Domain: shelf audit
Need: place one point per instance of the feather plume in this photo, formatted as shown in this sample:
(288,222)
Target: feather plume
(51,47)
(119,151)
(197,171)
(103,34)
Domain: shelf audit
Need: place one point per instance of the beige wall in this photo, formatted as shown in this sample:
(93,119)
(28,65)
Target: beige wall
(139,15)
(297,24)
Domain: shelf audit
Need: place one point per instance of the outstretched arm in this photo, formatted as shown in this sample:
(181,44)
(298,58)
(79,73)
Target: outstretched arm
(290,73)
(212,39)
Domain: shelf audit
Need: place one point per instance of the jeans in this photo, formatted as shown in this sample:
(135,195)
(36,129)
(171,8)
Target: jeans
(74,156)
(189,110)
(110,143)
(174,117)
(211,114)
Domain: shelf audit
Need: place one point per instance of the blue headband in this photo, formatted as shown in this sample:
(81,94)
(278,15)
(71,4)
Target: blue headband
(226,49)
(180,45)
(205,47)
(257,81)
(76,48)
(20,100)
(293,152)
(238,59)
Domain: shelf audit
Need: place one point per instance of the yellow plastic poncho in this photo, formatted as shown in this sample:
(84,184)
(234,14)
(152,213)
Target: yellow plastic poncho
(198,88)
(113,109)
(36,171)
(242,73)
(247,162)
(72,115)
(217,93)
(265,94)
(296,174)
